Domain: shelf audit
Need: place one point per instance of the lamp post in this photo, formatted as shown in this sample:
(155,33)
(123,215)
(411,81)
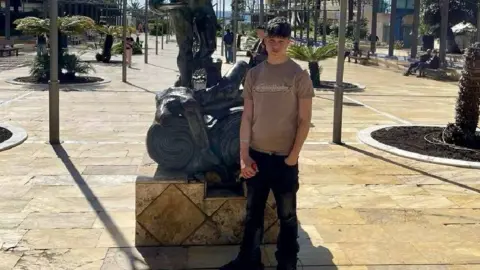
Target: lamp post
(163,31)
(124,36)
(338,97)
(223,27)
(156,36)
(416,24)
(146,31)
(53,91)
(393,17)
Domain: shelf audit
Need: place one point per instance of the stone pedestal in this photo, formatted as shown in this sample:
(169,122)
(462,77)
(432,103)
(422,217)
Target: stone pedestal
(172,212)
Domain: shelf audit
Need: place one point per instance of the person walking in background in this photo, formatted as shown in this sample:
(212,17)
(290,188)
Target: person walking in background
(41,44)
(259,52)
(228,41)
(129,50)
(275,123)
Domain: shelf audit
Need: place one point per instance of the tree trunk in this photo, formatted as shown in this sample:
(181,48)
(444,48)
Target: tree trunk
(314,69)
(452,46)
(467,107)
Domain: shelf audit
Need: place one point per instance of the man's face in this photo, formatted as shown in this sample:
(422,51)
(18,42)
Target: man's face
(277,46)
(260,33)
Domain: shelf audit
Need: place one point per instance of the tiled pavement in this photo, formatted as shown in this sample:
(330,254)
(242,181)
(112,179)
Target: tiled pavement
(72,207)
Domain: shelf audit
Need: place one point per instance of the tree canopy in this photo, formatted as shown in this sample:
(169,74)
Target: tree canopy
(67,25)
(458,11)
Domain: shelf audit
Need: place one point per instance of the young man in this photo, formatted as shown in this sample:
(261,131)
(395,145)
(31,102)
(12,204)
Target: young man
(275,123)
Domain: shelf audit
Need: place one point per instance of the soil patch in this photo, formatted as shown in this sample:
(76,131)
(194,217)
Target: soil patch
(5,134)
(76,80)
(330,86)
(426,141)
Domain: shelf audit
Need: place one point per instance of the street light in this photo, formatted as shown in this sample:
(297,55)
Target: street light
(338,97)
(124,36)
(53,91)
(146,31)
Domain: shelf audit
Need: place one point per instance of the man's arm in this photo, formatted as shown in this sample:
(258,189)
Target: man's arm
(305,94)
(247,116)
(246,128)
(303,126)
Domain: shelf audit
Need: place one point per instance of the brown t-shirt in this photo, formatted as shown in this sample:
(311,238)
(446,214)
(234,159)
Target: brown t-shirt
(275,91)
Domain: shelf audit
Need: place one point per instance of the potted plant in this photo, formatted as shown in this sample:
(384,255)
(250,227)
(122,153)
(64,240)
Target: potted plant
(313,55)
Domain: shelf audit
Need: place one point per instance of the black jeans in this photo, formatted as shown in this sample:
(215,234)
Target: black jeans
(282,179)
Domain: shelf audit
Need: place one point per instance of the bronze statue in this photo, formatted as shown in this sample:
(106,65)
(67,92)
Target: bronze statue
(197,130)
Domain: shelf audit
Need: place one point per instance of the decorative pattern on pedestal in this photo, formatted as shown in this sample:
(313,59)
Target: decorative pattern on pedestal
(173,213)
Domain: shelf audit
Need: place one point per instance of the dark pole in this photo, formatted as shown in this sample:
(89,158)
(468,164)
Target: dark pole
(391,40)
(373,41)
(261,12)
(156,36)
(416,24)
(338,96)
(359,18)
(223,27)
(53,93)
(295,18)
(324,36)
(124,38)
(443,31)
(235,29)
(7,19)
(163,31)
(146,31)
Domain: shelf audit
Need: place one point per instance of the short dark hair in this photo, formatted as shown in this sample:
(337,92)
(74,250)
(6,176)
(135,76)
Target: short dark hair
(260,27)
(279,27)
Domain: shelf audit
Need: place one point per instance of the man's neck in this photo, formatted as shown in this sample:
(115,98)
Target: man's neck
(277,60)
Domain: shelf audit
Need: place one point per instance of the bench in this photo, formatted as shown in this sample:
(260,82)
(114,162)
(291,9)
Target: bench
(6,46)
(437,74)
(357,56)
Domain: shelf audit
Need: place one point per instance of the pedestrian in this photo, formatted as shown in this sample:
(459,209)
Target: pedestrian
(228,41)
(275,123)
(129,50)
(258,53)
(41,44)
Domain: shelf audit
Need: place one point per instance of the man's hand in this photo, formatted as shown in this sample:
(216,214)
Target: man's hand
(291,160)
(248,167)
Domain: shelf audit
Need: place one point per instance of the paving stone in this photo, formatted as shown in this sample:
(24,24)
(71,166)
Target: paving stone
(110,170)
(10,238)
(145,258)
(352,233)
(77,258)
(8,259)
(83,220)
(11,220)
(61,238)
(115,219)
(329,216)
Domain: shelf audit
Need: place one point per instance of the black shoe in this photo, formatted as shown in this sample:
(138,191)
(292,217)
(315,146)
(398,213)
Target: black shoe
(239,265)
(287,266)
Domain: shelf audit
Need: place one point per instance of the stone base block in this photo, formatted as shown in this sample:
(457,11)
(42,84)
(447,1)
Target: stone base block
(172,212)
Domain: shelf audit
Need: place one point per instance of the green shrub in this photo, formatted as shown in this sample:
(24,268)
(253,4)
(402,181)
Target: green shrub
(137,48)
(70,63)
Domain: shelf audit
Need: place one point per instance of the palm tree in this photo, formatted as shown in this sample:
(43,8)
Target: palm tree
(68,25)
(313,55)
(468,102)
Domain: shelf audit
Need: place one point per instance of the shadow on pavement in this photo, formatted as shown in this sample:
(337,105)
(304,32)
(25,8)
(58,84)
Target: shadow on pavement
(97,206)
(353,148)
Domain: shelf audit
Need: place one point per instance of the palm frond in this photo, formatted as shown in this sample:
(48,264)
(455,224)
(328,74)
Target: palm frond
(33,25)
(75,24)
(312,54)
